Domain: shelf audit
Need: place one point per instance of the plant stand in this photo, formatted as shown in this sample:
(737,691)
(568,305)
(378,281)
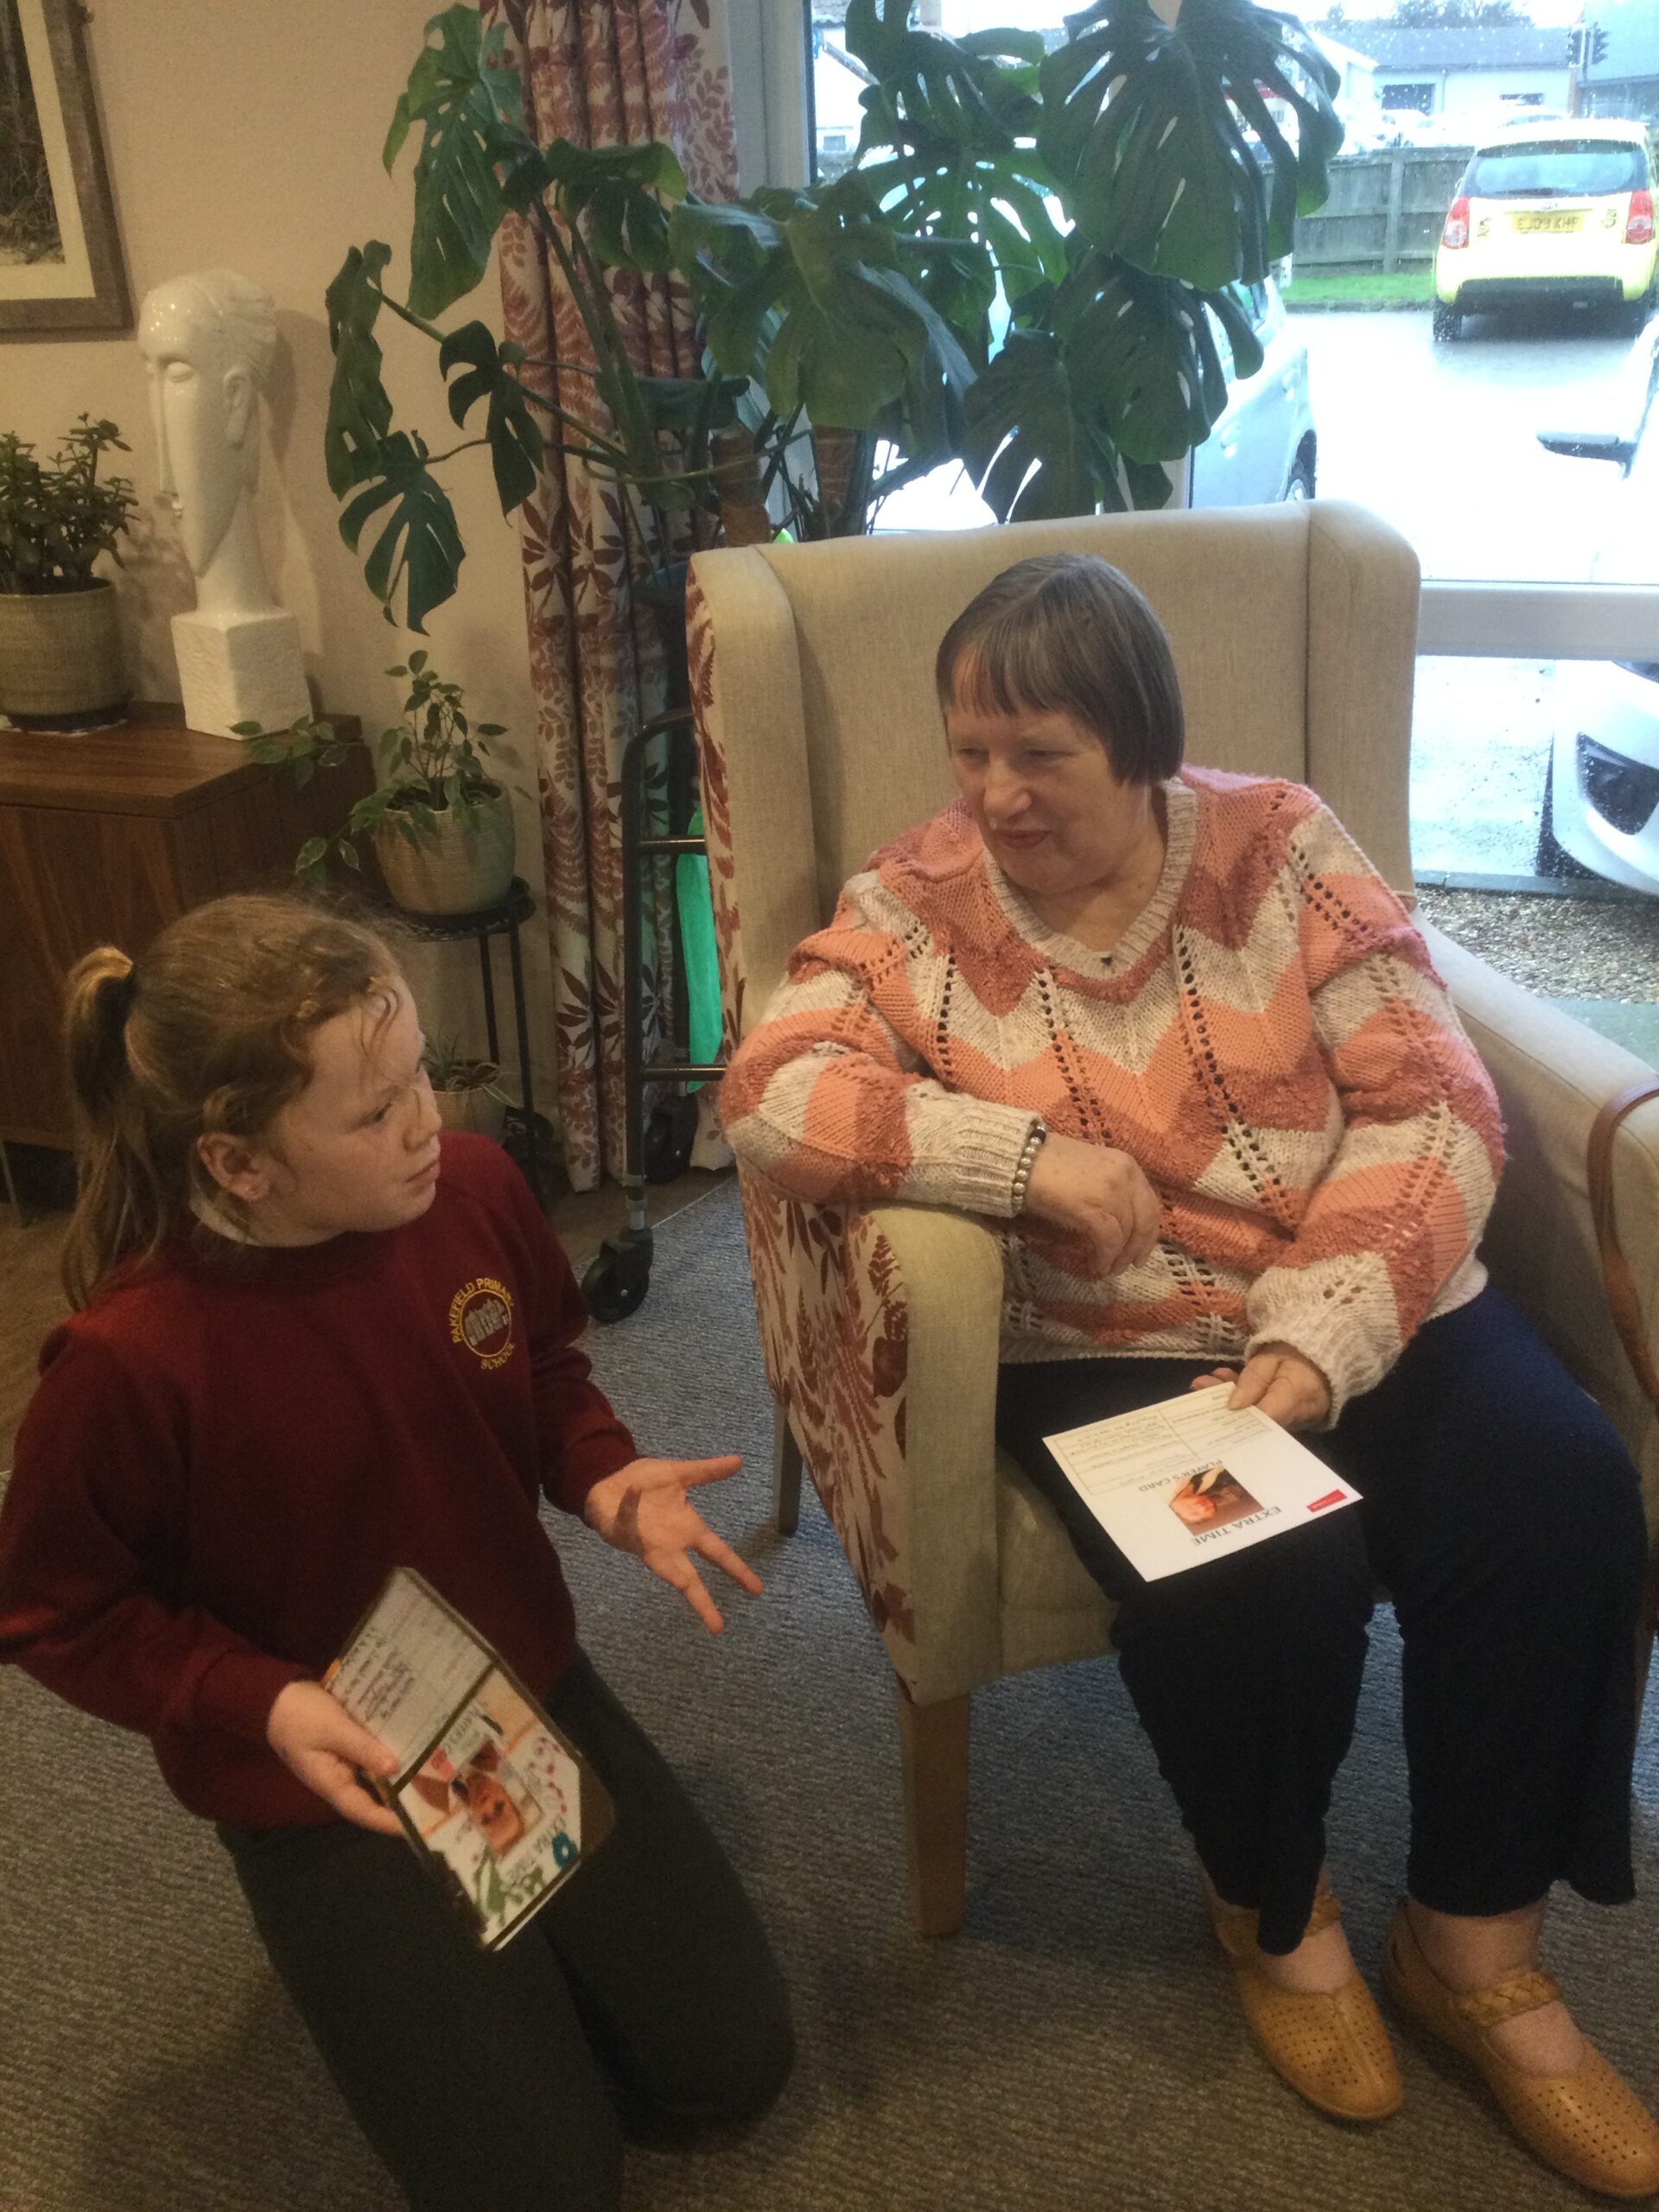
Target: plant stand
(615,1282)
(528,1138)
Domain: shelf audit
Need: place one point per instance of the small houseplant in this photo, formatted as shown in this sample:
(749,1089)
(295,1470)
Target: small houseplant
(440,825)
(60,643)
(467,1091)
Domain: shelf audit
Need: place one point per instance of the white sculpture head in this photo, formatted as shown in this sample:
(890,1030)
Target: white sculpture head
(207,342)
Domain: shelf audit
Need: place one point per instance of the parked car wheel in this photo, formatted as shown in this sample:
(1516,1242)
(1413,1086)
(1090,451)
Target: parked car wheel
(1300,485)
(1448,323)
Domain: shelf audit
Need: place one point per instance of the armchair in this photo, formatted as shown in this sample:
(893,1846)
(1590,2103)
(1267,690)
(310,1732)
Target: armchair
(1294,630)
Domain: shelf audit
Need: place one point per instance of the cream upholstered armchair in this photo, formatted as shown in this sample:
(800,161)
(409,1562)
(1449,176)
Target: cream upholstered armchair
(1294,632)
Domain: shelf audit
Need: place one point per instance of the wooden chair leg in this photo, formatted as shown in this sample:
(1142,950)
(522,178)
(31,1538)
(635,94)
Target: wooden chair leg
(933,1747)
(785,1473)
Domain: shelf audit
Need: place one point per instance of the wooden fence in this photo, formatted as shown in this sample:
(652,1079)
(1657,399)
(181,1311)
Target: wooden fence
(1385,209)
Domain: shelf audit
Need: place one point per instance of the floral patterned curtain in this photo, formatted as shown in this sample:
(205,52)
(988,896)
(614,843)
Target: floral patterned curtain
(601,72)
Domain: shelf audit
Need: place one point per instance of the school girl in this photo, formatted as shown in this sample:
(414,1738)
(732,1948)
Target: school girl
(313,1339)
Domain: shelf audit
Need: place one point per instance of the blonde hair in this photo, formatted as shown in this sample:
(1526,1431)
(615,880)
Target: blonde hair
(208,1033)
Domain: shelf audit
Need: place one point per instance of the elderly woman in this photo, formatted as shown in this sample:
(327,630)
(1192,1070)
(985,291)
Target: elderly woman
(1170,1029)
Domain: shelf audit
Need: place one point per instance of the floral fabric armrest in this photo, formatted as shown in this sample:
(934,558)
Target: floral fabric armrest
(878,1328)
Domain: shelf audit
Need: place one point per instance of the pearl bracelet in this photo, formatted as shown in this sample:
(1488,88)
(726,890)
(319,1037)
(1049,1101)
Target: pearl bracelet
(1027,1160)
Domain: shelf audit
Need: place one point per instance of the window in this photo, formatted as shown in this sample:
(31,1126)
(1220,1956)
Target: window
(1420,99)
(1554,168)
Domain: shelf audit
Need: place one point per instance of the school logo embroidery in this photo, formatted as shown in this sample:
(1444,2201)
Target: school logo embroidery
(481,1317)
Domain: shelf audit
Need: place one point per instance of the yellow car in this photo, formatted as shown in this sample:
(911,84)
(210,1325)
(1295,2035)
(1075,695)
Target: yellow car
(1549,210)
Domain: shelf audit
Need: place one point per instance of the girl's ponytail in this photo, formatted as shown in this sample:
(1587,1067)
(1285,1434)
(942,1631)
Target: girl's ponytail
(120,1206)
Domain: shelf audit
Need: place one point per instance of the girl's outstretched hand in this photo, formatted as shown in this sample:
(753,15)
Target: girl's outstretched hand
(323,1747)
(644,1508)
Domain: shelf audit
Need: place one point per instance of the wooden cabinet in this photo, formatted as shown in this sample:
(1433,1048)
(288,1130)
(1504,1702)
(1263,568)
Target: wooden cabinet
(104,838)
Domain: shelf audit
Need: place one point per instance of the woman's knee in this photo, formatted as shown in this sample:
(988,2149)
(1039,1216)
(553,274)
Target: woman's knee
(1305,1583)
(1564,1506)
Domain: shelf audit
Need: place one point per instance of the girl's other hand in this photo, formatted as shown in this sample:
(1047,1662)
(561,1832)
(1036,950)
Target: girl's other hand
(320,1744)
(642,1508)
(1288,1389)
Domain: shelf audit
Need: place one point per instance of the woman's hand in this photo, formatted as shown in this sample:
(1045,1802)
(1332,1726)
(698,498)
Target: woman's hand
(642,1508)
(1288,1389)
(1097,1193)
(320,1744)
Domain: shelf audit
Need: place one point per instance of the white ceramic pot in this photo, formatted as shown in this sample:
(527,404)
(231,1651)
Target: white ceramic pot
(457,867)
(60,664)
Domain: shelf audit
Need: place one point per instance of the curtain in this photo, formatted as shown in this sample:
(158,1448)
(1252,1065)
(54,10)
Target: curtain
(599,72)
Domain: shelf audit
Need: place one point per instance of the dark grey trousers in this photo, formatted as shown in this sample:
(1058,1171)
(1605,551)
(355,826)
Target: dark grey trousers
(644,1999)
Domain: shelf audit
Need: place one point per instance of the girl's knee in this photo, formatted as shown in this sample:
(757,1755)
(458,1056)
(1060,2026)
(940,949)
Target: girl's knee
(734,2070)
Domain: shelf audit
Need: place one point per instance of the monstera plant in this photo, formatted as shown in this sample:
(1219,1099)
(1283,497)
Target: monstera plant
(1014,272)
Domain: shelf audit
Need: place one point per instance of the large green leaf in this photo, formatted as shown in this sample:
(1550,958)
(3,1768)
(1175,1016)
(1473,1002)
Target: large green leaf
(1140,349)
(940,96)
(514,434)
(465,96)
(419,544)
(1141,124)
(620,189)
(960,117)
(359,412)
(1036,447)
(805,295)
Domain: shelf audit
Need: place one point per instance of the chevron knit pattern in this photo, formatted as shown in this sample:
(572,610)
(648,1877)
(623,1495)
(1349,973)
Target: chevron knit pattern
(1268,1040)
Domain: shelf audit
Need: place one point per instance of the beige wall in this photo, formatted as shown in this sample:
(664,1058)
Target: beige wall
(248,136)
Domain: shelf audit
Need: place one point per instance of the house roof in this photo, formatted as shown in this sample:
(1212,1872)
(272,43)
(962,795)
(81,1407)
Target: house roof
(1502,46)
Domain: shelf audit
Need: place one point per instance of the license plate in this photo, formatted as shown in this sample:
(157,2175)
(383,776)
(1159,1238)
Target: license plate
(1548,222)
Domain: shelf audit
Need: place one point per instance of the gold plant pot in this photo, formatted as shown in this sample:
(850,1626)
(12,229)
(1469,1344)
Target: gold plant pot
(60,663)
(456,868)
(476,1105)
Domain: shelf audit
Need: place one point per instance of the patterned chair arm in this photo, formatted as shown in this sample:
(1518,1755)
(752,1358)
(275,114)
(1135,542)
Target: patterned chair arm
(879,1327)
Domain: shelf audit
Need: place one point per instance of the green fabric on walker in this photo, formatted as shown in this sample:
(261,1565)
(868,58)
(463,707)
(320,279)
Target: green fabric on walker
(696,912)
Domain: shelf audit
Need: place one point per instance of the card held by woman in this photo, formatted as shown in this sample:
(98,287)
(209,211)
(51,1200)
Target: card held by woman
(1178,1483)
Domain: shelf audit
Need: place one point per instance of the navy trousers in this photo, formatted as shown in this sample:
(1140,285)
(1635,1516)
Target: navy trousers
(1504,1517)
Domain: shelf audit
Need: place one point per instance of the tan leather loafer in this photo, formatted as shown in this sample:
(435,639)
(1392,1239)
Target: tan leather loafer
(1589,2125)
(1332,2049)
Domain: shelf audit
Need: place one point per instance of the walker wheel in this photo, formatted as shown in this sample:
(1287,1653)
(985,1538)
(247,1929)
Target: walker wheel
(615,1284)
(669,1133)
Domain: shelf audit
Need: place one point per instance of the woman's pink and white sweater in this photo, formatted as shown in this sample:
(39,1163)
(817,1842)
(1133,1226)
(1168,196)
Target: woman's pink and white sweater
(1268,1039)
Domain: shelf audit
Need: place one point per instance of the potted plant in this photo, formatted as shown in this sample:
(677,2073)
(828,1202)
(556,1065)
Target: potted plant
(440,825)
(60,663)
(467,1092)
(923,306)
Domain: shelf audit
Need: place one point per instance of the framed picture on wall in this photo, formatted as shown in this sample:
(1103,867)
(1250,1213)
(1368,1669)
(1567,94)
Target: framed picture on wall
(60,267)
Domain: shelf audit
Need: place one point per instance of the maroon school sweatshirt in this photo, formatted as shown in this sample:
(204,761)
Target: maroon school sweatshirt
(229,1449)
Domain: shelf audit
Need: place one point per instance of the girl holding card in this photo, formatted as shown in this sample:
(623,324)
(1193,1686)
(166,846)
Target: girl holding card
(315,1340)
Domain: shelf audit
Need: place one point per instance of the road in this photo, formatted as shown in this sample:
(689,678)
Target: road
(1441,440)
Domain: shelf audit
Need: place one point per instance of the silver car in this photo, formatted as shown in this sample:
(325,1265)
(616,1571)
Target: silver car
(1263,446)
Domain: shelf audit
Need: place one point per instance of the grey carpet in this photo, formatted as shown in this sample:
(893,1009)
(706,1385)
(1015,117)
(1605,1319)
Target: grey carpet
(1075,2048)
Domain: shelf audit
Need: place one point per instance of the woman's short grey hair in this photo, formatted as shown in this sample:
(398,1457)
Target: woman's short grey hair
(1067,633)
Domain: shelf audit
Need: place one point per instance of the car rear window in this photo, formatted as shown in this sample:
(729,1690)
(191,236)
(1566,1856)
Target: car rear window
(1554,168)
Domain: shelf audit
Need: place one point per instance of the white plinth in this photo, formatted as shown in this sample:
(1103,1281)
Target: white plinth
(245,668)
